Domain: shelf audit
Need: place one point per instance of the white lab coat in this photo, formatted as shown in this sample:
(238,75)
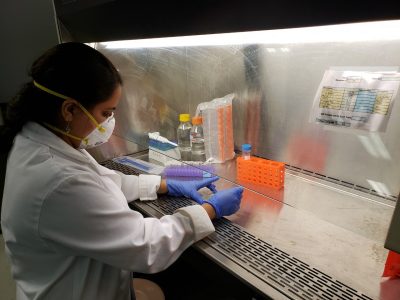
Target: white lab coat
(69,231)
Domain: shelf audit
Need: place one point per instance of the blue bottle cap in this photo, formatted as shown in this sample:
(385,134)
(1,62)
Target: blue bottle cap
(246,147)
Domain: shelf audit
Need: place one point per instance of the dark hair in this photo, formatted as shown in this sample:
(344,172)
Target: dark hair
(73,69)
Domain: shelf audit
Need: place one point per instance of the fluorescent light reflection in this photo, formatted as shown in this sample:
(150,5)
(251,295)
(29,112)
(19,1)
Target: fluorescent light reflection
(375,146)
(379,187)
(380,146)
(355,32)
(368,145)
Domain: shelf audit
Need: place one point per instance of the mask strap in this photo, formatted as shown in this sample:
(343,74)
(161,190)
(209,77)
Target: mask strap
(85,140)
(39,86)
(88,114)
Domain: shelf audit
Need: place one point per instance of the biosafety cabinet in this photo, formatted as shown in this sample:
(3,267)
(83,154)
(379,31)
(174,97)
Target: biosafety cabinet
(324,101)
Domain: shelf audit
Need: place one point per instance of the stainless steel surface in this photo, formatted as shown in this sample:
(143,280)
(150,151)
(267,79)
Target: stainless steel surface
(275,84)
(340,233)
(328,201)
(329,229)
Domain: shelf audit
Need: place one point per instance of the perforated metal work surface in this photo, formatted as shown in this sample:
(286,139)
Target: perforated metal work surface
(289,275)
(120,167)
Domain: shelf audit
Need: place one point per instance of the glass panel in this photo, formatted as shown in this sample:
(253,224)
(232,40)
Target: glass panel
(340,184)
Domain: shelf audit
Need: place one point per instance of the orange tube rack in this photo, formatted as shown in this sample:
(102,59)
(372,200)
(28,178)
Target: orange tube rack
(261,171)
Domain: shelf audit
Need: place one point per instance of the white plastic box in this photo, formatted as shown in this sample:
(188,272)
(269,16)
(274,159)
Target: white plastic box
(161,149)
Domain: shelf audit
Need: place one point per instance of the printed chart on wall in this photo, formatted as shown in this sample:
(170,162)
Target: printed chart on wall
(355,99)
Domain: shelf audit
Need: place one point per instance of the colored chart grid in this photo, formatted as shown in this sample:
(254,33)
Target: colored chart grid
(356,100)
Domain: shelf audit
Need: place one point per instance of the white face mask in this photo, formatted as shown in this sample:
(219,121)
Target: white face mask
(99,135)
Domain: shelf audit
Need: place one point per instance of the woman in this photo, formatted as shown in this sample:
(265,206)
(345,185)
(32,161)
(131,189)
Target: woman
(66,222)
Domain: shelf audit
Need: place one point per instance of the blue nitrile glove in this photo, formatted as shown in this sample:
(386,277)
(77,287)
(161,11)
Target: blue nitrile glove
(190,189)
(226,202)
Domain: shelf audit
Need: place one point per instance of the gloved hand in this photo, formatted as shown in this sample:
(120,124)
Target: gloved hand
(226,202)
(190,189)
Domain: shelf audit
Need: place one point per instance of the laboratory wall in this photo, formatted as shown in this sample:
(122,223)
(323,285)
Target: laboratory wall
(27,29)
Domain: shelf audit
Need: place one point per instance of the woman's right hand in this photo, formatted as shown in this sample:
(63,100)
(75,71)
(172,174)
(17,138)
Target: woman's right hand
(226,202)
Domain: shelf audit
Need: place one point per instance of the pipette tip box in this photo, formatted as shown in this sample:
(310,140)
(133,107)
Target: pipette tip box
(189,171)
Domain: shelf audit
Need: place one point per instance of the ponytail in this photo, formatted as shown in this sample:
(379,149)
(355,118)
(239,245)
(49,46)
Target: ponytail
(28,105)
(17,114)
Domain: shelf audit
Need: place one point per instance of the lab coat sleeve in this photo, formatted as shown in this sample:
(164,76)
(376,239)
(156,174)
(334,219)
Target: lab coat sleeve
(81,217)
(143,187)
